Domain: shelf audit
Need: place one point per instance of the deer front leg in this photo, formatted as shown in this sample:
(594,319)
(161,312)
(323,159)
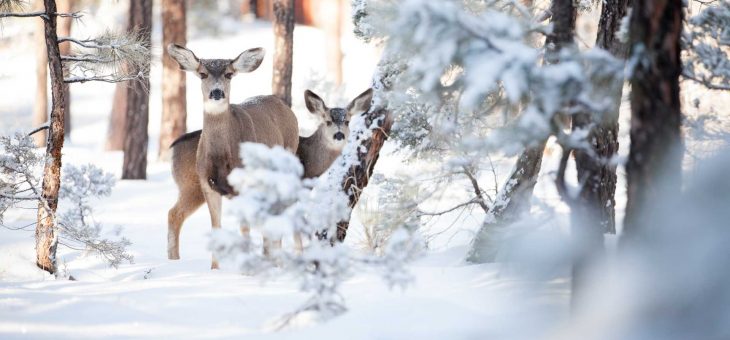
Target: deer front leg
(213,199)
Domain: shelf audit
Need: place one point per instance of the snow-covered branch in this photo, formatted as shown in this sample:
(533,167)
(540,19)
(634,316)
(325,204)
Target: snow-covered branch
(20,166)
(706,45)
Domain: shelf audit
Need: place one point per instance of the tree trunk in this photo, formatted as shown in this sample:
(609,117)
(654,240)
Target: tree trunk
(515,196)
(137,117)
(283,49)
(510,203)
(45,234)
(333,27)
(174,112)
(598,178)
(655,158)
(358,175)
(40,106)
(64,30)
(117,119)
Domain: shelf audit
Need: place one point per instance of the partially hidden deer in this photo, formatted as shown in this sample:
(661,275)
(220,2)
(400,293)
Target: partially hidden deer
(202,160)
(316,152)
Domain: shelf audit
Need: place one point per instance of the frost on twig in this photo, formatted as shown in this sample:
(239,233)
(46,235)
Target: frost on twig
(111,57)
(20,168)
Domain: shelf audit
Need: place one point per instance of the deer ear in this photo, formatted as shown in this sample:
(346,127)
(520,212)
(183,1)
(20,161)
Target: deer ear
(185,57)
(249,60)
(314,103)
(361,103)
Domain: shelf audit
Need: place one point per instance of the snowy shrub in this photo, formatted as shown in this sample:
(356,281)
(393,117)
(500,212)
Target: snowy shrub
(20,186)
(274,200)
(78,228)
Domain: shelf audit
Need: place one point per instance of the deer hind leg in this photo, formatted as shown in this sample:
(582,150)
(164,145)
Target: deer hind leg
(188,201)
(213,199)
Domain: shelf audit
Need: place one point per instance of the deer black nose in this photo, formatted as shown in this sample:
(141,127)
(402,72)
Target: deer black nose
(216,94)
(339,136)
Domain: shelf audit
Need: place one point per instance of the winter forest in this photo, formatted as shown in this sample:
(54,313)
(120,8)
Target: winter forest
(365,169)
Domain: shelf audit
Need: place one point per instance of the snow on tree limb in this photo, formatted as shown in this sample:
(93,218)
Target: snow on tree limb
(20,168)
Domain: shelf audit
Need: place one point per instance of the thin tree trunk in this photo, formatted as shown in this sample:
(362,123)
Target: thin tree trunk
(283,49)
(64,30)
(46,238)
(174,112)
(655,157)
(40,106)
(137,117)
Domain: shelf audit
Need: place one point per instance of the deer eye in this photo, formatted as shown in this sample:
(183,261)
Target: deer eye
(329,123)
(347,122)
(203,75)
(229,75)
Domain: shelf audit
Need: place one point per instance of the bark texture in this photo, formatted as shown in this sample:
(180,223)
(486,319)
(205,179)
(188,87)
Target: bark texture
(358,175)
(45,234)
(599,178)
(655,157)
(283,49)
(174,112)
(137,117)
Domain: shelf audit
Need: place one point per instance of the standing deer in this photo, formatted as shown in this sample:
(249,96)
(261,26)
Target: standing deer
(316,152)
(202,160)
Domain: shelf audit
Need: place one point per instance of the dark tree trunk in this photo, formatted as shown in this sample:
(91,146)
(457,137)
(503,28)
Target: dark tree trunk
(598,178)
(655,158)
(137,117)
(45,234)
(283,49)
(40,106)
(174,112)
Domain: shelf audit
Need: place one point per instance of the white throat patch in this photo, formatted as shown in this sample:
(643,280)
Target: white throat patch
(215,107)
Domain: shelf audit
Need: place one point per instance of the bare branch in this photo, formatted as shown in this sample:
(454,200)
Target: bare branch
(475,200)
(477,190)
(705,82)
(74,15)
(106,79)
(39,129)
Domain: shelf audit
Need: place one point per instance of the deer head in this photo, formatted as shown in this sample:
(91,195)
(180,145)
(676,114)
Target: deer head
(216,74)
(336,121)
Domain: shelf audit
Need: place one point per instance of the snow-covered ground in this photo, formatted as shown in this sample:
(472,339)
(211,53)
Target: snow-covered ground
(158,298)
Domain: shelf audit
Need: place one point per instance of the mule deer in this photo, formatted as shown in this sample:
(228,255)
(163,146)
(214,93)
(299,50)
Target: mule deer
(318,151)
(202,160)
